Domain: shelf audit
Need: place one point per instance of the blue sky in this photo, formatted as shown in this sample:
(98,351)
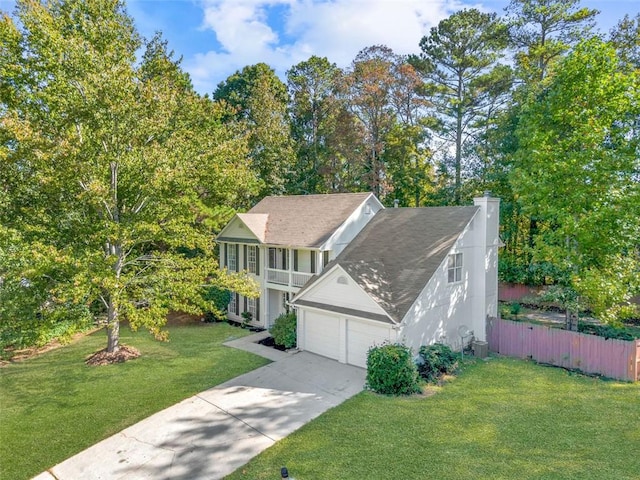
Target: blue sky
(217,37)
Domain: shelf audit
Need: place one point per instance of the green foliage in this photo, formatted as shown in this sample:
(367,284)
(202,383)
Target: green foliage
(515,309)
(113,171)
(391,370)
(464,81)
(284,330)
(543,30)
(218,299)
(576,172)
(259,101)
(534,273)
(607,331)
(436,360)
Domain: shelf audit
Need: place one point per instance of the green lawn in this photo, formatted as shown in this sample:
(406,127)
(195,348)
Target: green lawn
(500,419)
(54,406)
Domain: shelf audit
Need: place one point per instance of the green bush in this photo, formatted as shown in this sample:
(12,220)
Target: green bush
(436,360)
(284,330)
(606,331)
(218,299)
(391,370)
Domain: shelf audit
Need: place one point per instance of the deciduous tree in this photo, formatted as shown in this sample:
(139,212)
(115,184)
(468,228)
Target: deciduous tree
(578,171)
(112,171)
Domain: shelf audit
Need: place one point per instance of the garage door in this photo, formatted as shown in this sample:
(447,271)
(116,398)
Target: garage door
(322,334)
(360,337)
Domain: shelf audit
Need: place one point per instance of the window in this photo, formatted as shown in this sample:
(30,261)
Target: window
(278,258)
(454,268)
(232,258)
(325,258)
(233,304)
(251,308)
(252,259)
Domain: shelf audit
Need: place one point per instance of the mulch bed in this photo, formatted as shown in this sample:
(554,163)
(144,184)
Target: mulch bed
(270,342)
(122,354)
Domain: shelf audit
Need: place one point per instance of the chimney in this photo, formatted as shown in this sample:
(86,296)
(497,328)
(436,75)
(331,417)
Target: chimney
(486,243)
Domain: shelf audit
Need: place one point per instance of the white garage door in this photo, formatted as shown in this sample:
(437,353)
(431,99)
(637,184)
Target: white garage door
(360,337)
(322,334)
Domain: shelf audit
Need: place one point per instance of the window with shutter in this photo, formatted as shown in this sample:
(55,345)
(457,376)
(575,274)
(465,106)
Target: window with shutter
(232,257)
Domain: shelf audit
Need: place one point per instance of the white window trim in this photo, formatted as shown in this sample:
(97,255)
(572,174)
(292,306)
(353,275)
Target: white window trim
(454,268)
(232,261)
(251,308)
(251,258)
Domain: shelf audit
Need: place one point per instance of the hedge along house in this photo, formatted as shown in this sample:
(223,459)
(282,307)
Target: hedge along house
(283,241)
(412,275)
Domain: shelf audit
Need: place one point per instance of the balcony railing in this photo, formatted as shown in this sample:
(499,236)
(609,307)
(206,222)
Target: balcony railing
(287,277)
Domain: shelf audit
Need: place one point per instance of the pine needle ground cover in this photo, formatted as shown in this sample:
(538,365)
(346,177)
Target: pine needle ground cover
(500,419)
(54,406)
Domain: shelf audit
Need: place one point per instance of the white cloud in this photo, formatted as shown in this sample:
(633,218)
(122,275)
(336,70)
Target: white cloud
(336,29)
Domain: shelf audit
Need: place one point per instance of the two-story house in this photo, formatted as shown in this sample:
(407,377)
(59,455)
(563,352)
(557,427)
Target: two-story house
(283,241)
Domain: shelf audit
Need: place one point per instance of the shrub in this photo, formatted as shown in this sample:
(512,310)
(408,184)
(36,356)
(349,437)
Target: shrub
(515,309)
(218,299)
(436,360)
(391,370)
(284,330)
(606,331)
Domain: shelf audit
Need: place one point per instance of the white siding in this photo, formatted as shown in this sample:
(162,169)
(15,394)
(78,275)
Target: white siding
(443,307)
(352,226)
(337,288)
(237,229)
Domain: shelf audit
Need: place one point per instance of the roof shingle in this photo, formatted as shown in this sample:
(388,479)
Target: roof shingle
(305,220)
(399,250)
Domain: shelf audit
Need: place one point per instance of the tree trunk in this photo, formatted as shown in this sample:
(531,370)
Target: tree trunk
(113,328)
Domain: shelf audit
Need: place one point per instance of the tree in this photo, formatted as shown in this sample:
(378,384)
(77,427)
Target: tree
(626,38)
(111,170)
(316,110)
(459,63)
(541,31)
(260,101)
(368,87)
(577,169)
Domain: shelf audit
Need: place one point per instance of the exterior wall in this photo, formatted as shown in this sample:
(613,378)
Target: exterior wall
(442,307)
(348,344)
(237,229)
(338,289)
(352,226)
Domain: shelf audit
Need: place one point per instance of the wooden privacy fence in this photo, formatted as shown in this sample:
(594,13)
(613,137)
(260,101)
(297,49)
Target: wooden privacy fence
(612,358)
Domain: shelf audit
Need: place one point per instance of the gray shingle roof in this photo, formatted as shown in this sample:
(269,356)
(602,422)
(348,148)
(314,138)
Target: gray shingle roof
(305,220)
(399,250)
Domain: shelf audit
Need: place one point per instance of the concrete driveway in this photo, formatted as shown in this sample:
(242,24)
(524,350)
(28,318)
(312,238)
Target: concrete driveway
(211,434)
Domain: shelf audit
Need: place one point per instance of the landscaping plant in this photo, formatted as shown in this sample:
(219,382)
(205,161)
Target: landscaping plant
(436,360)
(391,370)
(284,330)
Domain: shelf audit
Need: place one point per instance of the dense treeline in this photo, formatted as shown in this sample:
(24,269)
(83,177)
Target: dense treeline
(115,172)
(533,106)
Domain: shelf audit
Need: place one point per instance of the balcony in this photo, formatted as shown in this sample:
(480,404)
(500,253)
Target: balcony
(287,277)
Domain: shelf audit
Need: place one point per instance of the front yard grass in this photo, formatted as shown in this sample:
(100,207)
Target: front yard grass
(54,406)
(500,419)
